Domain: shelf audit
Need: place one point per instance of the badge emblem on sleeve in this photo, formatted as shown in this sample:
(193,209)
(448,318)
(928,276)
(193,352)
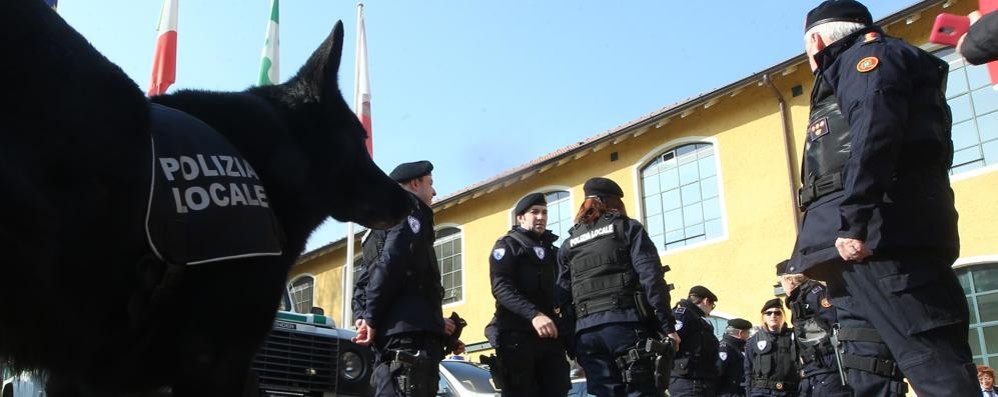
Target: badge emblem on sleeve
(414,224)
(761,345)
(498,253)
(540,252)
(723,355)
(867,64)
(679,325)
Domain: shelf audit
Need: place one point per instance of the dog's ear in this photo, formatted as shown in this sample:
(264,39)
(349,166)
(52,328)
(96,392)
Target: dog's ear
(318,77)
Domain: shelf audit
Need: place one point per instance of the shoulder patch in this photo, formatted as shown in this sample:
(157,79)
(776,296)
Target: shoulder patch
(723,355)
(498,253)
(414,224)
(816,290)
(872,36)
(867,64)
(679,325)
(540,252)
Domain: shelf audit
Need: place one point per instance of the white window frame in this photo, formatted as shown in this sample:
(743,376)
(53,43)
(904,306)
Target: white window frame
(639,188)
(968,263)
(464,252)
(291,291)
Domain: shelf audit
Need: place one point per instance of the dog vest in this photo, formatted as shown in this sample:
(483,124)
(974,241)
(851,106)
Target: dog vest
(206,203)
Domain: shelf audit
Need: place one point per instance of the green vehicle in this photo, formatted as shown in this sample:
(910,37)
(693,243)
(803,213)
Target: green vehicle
(307,355)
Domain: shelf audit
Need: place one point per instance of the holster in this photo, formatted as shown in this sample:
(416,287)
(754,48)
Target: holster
(649,358)
(408,371)
(496,368)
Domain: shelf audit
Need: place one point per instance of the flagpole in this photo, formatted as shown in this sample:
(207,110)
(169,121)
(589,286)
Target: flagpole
(362,107)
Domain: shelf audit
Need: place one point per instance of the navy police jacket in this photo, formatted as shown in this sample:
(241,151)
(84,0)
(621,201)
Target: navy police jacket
(896,194)
(523,267)
(812,313)
(647,266)
(731,367)
(698,346)
(403,292)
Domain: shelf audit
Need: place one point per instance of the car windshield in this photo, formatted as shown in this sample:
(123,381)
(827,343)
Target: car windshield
(471,376)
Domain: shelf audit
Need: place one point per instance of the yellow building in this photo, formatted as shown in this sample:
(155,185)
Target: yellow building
(714,181)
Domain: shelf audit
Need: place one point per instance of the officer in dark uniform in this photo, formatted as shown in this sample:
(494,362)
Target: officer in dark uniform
(731,359)
(523,267)
(771,366)
(813,319)
(880,226)
(695,371)
(611,284)
(399,311)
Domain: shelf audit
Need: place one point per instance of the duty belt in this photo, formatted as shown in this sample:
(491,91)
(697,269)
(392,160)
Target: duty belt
(773,385)
(826,184)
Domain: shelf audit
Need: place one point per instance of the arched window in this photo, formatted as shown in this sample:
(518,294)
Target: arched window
(448,249)
(559,214)
(980,284)
(302,290)
(680,197)
(975,113)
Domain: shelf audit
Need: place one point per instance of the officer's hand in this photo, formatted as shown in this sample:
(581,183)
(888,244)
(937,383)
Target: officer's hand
(544,326)
(365,334)
(449,326)
(675,340)
(459,347)
(852,250)
(358,323)
(974,16)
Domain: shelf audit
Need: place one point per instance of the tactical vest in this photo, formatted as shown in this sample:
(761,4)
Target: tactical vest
(774,363)
(827,148)
(602,276)
(699,348)
(536,271)
(813,333)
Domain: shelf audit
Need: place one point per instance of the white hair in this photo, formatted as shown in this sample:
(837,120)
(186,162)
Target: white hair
(833,31)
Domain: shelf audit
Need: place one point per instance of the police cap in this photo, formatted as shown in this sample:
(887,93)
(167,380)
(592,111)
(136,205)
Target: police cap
(838,11)
(602,187)
(406,172)
(528,201)
(775,302)
(740,323)
(703,292)
(781,268)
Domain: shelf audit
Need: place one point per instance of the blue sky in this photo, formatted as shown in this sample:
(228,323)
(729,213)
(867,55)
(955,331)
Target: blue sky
(476,87)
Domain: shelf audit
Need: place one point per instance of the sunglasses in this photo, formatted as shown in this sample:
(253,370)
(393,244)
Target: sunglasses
(773,313)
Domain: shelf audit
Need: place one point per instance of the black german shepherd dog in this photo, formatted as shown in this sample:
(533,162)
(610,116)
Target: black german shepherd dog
(84,296)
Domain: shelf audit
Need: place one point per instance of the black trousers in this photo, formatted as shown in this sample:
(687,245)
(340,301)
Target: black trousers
(534,366)
(918,308)
(422,379)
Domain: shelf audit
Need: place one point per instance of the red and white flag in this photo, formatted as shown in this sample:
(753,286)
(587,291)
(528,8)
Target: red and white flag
(164,64)
(362,82)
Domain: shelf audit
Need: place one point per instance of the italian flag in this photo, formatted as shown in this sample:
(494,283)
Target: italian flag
(362,82)
(164,63)
(269,73)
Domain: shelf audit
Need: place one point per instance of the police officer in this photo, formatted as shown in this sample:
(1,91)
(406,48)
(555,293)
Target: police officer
(880,225)
(731,358)
(770,356)
(399,311)
(611,283)
(813,317)
(695,371)
(523,267)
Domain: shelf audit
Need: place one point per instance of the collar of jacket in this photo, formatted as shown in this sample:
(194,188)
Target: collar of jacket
(827,56)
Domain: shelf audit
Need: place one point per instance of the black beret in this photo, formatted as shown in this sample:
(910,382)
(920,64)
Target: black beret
(528,201)
(781,268)
(703,292)
(602,187)
(406,172)
(838,11)
(740,323)
(775,302)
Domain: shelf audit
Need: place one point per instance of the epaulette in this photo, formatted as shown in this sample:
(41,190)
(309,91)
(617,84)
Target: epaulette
(872,37)
(680,310)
